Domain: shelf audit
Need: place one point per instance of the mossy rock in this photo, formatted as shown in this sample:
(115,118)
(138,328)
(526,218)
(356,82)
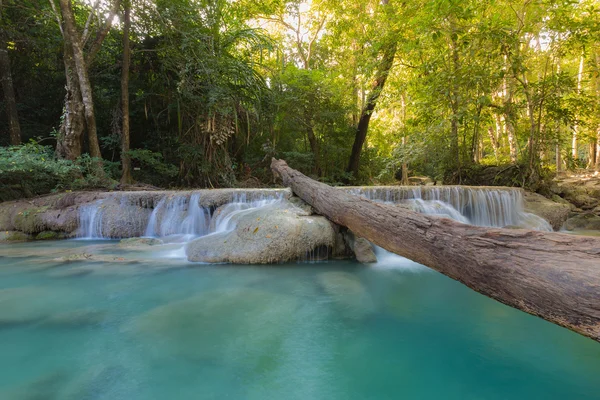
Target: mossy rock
(14,236)
(586,221)
(49,235)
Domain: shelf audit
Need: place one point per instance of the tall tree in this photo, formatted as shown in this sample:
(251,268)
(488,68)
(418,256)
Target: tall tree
(79,106)
(7,86)
(383,70)
(125,159)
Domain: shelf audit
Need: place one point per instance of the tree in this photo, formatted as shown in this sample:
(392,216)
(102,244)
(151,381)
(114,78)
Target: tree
(125,158)
(383,70)
(7,87)
(79,104)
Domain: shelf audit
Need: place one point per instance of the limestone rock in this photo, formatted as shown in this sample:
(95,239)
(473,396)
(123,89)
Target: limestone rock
(49,235)
(361,248)
(585,221)
(555,213)
(14,236)
(276,233)
(139,242)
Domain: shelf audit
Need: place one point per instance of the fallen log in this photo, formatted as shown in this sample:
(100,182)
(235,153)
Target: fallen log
(552,275)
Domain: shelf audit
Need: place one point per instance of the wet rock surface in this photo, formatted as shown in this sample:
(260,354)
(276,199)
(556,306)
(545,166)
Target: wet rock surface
(556,213)
(271,234)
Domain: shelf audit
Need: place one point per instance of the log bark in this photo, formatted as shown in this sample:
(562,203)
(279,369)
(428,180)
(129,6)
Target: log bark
(554,276)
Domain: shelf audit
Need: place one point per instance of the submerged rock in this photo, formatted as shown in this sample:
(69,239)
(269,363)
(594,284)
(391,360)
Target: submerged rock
(29,304)
(44,387)
(135,243)
(271,234)
(237,325)
(348,293)
(75,318)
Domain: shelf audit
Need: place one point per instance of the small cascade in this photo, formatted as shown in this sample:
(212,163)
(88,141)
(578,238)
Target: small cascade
(225,217)
(437,207)
(197,220)
(476,206)
(168,216)
(90,221)
(179,216)
(152,227)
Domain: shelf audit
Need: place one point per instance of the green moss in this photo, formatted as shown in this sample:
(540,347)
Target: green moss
(13,236)
(47,235)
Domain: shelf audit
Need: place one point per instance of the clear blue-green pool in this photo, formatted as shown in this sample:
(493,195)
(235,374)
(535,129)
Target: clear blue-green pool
(161,328)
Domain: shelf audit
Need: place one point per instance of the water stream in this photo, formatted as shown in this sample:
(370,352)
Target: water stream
(151,328)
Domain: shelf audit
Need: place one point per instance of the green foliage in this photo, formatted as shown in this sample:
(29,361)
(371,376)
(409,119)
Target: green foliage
(149,167)
(32,169)
(219,87)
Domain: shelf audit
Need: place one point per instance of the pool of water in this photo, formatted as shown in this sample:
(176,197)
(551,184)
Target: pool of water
(137,325)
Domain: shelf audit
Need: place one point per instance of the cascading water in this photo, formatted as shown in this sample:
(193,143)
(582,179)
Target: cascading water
(90,221)
(475,206)
(225,218)
(176,216)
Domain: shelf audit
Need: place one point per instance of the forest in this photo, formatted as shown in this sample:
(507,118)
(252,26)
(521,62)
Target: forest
(203,93)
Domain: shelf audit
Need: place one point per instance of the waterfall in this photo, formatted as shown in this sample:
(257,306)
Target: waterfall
(90,221)
(174,214)
(197,220)
(476,206)
(183,214)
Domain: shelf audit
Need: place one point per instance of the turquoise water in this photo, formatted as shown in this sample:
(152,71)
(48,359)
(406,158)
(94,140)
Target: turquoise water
(151,326)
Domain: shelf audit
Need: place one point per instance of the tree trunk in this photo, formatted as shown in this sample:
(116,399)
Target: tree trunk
(507,89)
(314,148)
(575,138)
(365,117)
(592,154)
(9,93)
(82,75)
(597,76)
(70,137)
(552,275)
(494,142)
(125,159)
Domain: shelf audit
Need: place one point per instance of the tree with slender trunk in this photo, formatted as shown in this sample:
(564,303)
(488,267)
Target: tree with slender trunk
(575,137)
(597,77)
(383,70)
(10,102)
(125,159)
